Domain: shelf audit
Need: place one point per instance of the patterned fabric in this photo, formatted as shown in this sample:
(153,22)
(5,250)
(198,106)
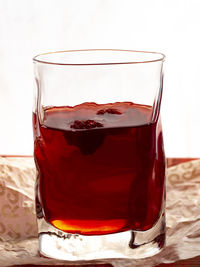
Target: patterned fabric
(17,212)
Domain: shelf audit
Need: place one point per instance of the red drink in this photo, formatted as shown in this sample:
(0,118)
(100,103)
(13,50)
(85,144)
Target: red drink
(101,168)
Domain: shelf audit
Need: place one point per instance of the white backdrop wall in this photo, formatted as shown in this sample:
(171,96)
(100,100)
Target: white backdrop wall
(29,27)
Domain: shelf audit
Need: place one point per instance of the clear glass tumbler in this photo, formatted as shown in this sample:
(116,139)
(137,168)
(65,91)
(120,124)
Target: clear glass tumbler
(98,149)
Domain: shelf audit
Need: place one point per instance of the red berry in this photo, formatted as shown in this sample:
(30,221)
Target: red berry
(109,111)
(88,124)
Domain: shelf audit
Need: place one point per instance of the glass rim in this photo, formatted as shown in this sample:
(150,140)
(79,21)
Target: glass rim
(36,59)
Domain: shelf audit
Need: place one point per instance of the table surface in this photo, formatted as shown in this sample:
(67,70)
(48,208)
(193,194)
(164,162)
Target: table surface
(185,263)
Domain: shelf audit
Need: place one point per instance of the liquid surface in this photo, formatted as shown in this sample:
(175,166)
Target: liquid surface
(101,167)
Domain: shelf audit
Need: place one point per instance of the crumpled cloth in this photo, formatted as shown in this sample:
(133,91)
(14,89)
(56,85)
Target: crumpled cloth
(18,227)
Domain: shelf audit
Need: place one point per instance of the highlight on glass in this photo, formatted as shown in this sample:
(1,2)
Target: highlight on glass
(98,149)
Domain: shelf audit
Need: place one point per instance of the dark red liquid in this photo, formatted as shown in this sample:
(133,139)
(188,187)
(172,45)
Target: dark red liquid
(101,167)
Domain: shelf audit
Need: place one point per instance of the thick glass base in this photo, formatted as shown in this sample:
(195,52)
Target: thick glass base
(57,244)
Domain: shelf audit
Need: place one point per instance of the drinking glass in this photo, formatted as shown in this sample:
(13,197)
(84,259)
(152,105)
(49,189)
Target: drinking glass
(98,149)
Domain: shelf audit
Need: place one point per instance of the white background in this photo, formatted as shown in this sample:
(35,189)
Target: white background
(29,27)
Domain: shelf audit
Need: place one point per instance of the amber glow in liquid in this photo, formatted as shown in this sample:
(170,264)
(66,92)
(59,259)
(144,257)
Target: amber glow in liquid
(101,168)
